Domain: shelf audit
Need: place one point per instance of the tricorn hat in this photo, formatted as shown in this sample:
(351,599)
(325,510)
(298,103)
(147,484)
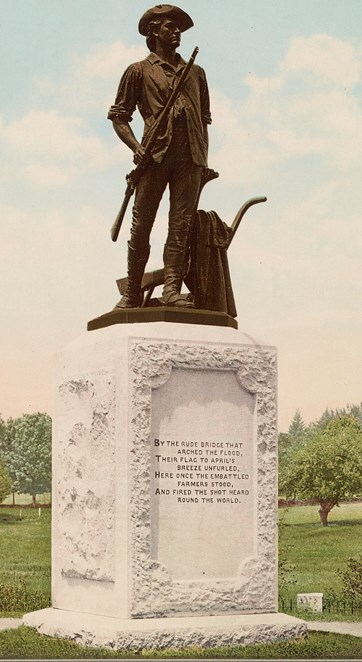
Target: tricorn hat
(183,20)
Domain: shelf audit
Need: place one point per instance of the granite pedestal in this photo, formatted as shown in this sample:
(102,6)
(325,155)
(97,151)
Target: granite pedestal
(165,490)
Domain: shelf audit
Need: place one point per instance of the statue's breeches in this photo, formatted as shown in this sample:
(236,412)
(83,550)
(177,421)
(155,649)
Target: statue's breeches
(183,177)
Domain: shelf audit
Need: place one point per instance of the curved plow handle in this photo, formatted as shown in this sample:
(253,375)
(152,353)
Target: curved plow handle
(242,211)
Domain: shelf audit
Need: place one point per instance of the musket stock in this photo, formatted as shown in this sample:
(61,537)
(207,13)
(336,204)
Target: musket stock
(120,216)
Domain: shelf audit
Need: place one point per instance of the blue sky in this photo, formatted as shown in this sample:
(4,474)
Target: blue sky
(285,83)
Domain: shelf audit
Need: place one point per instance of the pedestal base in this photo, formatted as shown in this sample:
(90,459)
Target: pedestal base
(162,314)
(137,634)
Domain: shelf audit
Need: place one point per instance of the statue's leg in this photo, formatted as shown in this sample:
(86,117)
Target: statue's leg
(184,183)
(136,263)
(147,199)
(174,268)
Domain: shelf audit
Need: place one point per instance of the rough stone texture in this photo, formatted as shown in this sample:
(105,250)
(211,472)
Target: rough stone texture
(85,489)
(139,634)
(106,575)
(313,601)
(153,593)
(103,559)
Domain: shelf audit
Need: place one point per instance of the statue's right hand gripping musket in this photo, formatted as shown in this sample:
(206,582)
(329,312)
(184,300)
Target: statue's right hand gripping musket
(134,177)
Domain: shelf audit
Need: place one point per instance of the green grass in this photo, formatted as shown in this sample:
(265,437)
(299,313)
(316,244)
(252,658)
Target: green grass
(24,559)
(25,643)
(316,552)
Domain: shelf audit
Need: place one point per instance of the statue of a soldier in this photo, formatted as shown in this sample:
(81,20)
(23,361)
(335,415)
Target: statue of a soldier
(178,155)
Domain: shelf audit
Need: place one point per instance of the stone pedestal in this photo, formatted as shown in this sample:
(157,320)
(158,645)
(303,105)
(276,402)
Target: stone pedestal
(165,490)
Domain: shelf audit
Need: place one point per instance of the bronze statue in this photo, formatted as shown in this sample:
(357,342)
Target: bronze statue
(178,153)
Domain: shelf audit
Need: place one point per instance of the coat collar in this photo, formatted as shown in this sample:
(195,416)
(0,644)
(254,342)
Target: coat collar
(153,58)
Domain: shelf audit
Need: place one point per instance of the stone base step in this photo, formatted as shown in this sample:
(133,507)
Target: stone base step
(138,634)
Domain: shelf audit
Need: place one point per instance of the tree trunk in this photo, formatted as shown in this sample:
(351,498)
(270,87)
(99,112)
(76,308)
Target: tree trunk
(324,510)
(33,500)
(13,498)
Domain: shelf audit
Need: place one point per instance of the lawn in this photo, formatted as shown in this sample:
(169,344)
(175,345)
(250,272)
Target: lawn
(24,559)
(315,553)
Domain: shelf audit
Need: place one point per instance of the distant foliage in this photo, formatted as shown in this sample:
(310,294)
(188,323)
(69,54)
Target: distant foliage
(27,453)
(290,442)
(328,467)
(5,481)
(352,581)
(3,436)
(355,411)
(297,427)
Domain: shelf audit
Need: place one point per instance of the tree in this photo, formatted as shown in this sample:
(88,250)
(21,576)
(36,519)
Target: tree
(28,453)
(327,468)
(297,427)
(5,481)
(332,414)
(4,447)
(356,412)
(3,438)
(290,442)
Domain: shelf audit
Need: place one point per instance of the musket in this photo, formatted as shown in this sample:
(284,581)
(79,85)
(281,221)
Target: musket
(134,177)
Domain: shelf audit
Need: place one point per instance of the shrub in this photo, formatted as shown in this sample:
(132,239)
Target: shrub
(352,580)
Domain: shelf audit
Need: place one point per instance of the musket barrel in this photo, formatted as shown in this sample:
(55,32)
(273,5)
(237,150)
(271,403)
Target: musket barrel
(155,129)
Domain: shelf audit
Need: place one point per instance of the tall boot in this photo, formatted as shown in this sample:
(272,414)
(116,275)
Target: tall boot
(174,261)
(136,263)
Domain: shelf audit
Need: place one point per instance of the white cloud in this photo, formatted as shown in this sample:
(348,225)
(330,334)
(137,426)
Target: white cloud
(290,115)
(238,150)
(48,133)
(327,59)
(47,176)
(260,85)
(285,116)
(335,120)
(52,149)
(91,83)
(110,60)
(51,267)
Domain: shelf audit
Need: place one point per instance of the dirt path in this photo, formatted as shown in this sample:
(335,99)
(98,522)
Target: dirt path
(340,627)
(9,623)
